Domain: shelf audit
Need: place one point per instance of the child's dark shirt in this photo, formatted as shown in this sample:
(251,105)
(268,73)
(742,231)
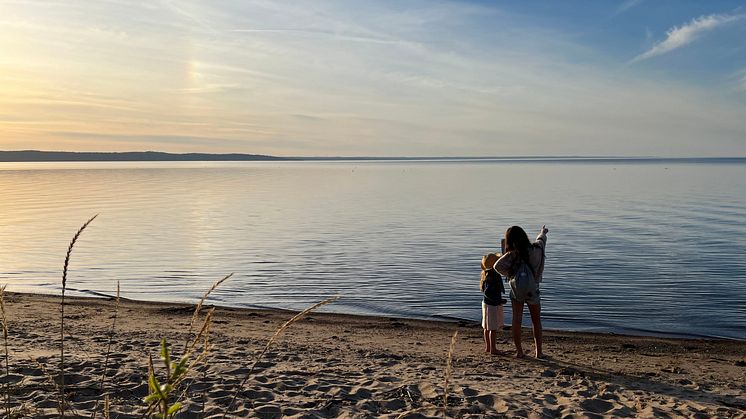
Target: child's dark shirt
(493,289)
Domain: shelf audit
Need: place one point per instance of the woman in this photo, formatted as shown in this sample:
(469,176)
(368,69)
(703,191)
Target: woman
(517,250)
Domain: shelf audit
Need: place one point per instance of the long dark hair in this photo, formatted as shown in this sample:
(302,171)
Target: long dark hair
(516,240)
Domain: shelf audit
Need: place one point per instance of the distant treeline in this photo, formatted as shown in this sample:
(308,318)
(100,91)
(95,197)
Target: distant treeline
(34,155)
(67,156)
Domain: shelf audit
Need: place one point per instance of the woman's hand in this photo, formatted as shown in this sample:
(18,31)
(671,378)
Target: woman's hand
(544,229)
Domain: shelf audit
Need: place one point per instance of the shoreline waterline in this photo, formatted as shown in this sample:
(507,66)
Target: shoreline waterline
(75,297)
(330,365)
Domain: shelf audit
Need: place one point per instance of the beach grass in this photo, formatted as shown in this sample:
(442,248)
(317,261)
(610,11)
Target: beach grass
(62,312)
(6,354)
(449,370)
(161,401)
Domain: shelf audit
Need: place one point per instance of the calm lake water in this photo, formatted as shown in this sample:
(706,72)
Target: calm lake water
(653,247)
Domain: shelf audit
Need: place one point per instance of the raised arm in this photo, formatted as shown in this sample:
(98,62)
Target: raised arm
(541,242)
(541,239)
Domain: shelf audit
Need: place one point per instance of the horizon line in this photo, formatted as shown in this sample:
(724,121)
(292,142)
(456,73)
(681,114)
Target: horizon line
(69,156)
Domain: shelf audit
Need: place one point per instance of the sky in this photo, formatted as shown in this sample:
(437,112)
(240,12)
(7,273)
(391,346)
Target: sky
(375,78)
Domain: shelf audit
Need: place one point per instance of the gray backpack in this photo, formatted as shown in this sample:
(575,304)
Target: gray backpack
(523,285)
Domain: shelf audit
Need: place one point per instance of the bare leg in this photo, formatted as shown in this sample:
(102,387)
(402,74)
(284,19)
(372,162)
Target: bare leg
(486,340)
(493,341)
(516,327)
(535,310)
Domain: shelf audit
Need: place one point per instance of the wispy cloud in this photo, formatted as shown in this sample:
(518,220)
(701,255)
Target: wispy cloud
(330,34)
(628,4)
(361,77)
(679,36)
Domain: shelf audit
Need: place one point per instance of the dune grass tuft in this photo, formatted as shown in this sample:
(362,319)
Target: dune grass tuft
(163,401)
(160,397)
(62,313)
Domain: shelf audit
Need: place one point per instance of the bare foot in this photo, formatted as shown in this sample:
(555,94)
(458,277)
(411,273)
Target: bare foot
(519,355)
(541,356)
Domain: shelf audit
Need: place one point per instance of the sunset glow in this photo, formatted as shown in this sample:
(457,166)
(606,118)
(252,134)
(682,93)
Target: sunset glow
(373,78)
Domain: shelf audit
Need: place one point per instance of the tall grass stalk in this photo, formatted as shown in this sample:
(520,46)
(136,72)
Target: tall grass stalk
(271,340)
(449,369)
(195,316)
(62,314)
(49,377)
(5,347)
(106,357)
(111,339)
(204,336)
(199,307)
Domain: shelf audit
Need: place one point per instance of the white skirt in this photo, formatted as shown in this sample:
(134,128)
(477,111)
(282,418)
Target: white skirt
(492,317)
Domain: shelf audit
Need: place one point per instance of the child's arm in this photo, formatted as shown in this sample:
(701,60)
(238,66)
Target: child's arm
(504,263)
(541,239)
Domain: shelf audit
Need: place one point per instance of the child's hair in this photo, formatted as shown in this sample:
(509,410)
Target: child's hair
(516,240)
(488,266)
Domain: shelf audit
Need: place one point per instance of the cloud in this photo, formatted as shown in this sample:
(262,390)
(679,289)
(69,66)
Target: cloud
(679,36)
(628,4)
(425,77)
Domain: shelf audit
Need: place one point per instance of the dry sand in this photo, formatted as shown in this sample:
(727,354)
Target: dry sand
(352,366)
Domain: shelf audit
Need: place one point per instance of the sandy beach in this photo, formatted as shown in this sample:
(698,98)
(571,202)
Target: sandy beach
(330,365)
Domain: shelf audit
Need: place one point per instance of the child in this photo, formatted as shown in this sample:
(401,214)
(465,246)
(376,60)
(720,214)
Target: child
(492,304)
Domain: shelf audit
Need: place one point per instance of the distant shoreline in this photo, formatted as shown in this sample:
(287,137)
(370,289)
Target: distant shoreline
(31,156)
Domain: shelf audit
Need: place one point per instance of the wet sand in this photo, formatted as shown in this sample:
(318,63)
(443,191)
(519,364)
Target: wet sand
(329,365)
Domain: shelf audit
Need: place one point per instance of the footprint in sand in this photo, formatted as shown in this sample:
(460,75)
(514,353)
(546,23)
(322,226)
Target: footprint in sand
(268,411)
(360,393)
(623,412)
(470,392)
(394,404)
(596,405)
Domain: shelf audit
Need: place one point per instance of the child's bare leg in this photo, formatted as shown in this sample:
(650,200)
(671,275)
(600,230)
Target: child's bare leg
(486,340)
(516,327)
(535,310)
(493,341)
